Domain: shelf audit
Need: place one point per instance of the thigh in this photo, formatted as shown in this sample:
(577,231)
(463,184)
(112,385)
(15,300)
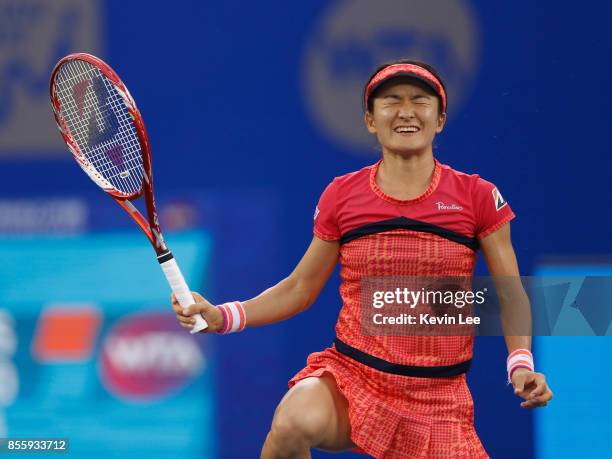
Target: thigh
(321,410)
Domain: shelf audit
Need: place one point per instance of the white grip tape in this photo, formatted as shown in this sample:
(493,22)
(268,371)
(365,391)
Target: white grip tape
(181,291)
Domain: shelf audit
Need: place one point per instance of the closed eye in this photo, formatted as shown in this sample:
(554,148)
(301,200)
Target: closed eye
(391,98)
(420,99)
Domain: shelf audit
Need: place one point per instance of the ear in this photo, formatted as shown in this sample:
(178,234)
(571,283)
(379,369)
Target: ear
(369,122)
(441,122)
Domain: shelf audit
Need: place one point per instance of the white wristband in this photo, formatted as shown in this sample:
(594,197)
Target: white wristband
(234,317)
(519,358)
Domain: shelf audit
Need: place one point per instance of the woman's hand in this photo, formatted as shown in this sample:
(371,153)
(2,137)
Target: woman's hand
(210,313)
(532,387)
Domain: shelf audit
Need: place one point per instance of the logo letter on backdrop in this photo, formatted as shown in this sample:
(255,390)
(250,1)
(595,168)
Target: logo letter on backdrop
(34,35)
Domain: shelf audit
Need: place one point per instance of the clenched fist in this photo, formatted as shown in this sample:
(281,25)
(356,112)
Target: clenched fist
(209,312)
(532,387)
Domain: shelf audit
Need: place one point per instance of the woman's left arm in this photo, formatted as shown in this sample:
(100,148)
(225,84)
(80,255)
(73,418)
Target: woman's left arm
(516,313)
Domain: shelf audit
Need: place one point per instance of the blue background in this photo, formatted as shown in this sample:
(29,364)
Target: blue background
(67,398)
(221,88)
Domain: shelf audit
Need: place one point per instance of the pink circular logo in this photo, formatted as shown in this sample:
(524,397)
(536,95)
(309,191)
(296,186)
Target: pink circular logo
(147,356)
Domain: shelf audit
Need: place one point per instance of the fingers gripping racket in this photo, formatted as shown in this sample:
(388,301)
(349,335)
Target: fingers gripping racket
(104,130)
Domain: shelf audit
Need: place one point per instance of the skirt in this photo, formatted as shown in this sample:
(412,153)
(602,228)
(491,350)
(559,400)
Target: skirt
(401,417)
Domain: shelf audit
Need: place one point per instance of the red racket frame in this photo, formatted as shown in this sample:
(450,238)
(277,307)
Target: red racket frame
(151,228)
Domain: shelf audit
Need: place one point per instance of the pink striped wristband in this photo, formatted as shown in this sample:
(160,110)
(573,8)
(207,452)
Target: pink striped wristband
(234,317)
(519,358)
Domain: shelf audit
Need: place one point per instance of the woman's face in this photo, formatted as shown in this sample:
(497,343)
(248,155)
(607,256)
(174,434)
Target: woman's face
(405,118)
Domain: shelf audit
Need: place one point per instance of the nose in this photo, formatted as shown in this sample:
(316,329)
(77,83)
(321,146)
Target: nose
(406,111)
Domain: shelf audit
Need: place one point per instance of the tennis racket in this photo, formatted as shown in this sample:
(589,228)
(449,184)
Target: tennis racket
(104,130)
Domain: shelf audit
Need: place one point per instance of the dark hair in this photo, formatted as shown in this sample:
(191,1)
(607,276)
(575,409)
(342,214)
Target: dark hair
(426,66)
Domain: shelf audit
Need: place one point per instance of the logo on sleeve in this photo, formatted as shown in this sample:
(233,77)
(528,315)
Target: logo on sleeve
(500,202)
(316,214)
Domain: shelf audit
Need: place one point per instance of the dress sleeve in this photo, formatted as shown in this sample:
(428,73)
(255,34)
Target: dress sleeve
(491,210)
(325,218)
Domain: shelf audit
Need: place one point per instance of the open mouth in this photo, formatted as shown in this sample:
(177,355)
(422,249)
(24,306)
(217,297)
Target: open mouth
(406,129)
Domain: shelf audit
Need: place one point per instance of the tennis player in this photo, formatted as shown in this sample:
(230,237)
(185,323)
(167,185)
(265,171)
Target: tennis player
(406,215)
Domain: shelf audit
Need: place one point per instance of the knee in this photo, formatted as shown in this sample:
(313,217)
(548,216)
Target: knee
(298,428)
(289,431)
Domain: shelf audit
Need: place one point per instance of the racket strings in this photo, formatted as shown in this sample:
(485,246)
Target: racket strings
(100,124)
(106,156)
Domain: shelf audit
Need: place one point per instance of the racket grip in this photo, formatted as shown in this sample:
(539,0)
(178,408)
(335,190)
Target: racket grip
(179,288)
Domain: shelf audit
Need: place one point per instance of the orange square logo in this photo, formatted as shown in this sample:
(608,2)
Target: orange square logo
(66,333)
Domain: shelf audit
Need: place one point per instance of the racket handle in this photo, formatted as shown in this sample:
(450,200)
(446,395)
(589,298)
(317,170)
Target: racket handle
(179,288)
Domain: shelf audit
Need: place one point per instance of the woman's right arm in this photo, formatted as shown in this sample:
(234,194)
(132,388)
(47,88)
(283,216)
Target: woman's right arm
(290,296)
